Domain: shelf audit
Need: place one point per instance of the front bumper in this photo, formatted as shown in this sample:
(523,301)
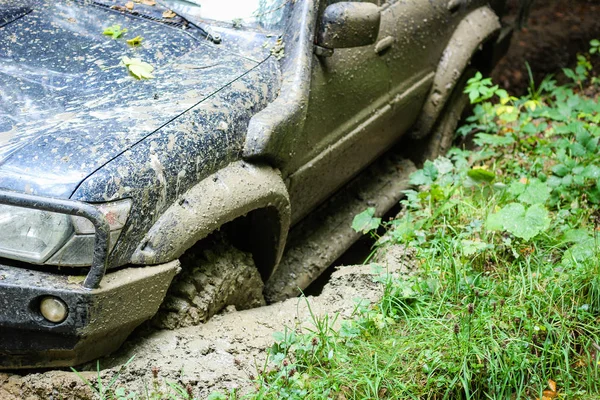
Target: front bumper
(103,308)
(98,321)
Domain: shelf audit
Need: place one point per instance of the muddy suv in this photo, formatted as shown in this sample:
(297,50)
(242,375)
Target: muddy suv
(249,116)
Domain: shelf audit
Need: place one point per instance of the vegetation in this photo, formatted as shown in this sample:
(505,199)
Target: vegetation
(506,302)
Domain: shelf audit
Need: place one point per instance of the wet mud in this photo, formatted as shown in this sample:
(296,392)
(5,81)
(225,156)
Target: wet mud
(223,354)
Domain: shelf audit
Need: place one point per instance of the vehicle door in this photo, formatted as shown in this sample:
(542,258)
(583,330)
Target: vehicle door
(362,99)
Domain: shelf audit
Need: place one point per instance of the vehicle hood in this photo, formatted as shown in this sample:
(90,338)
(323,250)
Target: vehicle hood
(68,106)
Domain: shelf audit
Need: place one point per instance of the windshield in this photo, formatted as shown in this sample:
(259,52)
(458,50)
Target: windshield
(267,14)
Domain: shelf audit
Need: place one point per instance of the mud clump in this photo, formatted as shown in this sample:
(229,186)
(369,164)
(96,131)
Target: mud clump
(51,385)
(221,354)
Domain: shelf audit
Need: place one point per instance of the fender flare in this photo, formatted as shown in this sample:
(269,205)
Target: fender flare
(232,192)
(476,28)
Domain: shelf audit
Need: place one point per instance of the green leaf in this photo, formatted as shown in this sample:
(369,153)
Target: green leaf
(481,175)
(349,330)
(443,165)
(278,336)
(420,178)
(524,224)
(138,68)
(560,170)
(471,247)
(516,188)
(493,140)
(576,235)
(424,176)
(365,221)
(570,74)
(535,192)
(577,149)
(505,218)
(115,31)
(473,95)
(510,116)
(536,220)
(591,171)
(580,252)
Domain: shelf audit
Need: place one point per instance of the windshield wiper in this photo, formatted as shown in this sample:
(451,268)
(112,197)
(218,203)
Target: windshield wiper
(155,14)
(215,38)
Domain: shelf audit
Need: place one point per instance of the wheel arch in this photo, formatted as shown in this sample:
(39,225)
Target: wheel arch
(238,196)
(476,30)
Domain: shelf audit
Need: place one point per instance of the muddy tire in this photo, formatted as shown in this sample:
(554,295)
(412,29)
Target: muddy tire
(214,275)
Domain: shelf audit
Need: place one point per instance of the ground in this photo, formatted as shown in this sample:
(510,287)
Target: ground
(222,354)
(550,39)
(228,350)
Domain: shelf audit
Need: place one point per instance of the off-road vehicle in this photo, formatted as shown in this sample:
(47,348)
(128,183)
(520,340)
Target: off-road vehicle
(143,139)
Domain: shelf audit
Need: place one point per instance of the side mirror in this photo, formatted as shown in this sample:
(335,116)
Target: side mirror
(349,24)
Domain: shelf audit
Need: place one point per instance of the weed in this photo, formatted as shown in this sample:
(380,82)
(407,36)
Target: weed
(106,392)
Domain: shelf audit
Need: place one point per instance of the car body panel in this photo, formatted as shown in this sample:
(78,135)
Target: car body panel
(157,171)
(68,108)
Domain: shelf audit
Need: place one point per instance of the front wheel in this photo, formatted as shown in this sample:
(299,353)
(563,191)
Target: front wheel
(214,275)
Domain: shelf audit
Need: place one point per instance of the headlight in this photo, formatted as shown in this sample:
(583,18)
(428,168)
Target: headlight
(43,237)
(31,235)
(79,250)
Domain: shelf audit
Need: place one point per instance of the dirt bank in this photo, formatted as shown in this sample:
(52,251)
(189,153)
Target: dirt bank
(556,31)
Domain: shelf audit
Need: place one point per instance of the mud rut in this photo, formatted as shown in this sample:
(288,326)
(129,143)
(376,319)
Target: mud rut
(227,351)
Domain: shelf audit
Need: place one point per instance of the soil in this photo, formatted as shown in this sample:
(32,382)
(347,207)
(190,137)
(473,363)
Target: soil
(550,39)
(228,350)
(220,355)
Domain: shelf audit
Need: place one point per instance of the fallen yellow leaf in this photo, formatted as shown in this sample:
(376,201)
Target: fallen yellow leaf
(552,385)
(129,5)
(136,41)
(579,363)
(76,279)
(168,14)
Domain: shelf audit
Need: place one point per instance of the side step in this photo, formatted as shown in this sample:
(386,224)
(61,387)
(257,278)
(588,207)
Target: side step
(319,239)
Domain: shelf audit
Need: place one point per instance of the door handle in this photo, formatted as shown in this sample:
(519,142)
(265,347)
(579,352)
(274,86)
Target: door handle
(384,44)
